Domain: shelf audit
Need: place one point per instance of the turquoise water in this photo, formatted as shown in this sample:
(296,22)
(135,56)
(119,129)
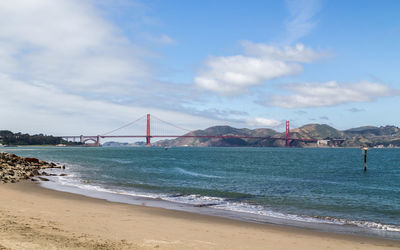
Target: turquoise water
(325,186)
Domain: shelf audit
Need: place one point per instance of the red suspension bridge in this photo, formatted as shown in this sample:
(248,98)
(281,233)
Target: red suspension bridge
(154,126)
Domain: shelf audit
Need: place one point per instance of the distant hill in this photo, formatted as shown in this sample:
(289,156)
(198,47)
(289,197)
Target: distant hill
(316,131)
(360,129)
(223,142)
(384,136)
(355,137)
(373,136)
(9,138)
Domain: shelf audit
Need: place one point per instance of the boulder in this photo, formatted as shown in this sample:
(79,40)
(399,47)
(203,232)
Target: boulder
(44,173)
(31,160)
(14,168)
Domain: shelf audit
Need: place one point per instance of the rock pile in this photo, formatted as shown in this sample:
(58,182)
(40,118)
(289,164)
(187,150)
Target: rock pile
(14,168)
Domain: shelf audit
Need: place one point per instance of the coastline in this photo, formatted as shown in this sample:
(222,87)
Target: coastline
(66,180)
(158,201)
(35,217)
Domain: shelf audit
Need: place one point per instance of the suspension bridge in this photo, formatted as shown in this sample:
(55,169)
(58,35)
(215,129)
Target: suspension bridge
(152,130)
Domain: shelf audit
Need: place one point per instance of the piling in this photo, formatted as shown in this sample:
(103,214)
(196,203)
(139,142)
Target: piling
(365,158)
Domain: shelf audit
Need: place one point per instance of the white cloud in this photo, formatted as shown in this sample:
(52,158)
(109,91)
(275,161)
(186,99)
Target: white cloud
(64,67)
(263,122)
(235,74)
(300,22)
(66,42)
(162,39)
(36,107)
(297,53)
(330,94)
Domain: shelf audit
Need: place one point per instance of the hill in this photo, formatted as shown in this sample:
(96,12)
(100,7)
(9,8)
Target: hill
(9,138)
(223,142)
(316,131)
(385,136)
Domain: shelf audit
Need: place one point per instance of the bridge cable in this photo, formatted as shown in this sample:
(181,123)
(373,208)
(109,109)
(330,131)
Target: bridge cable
(126,125)
(188,130)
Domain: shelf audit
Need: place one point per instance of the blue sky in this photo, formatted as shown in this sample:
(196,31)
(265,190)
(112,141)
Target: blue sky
(95,65)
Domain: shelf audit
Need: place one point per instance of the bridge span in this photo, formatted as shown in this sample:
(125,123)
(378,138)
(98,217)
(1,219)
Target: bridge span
(95,139)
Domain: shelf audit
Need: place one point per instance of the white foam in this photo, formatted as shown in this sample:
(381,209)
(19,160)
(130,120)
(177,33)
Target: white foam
(73,179)
(121,161)
(183,171)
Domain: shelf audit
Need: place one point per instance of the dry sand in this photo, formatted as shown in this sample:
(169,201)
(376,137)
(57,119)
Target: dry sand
(32,217)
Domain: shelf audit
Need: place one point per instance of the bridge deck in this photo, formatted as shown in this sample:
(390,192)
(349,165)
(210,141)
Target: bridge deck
(189,136)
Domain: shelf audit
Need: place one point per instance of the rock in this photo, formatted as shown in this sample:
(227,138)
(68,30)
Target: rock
(63,175)
(32,160)
(14,168)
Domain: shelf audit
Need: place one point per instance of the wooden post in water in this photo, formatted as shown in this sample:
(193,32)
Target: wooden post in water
(365,158)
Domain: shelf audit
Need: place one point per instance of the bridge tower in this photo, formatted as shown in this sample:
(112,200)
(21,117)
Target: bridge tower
(287,134)
(97,143)
(148,131)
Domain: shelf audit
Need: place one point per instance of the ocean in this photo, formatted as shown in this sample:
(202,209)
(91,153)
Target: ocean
(322,189)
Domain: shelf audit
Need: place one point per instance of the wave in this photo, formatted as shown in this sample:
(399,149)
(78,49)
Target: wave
(183,171)
(363,224)
(73,179)
(243,207)
(121,161)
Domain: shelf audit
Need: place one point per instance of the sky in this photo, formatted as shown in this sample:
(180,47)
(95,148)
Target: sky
(87,67)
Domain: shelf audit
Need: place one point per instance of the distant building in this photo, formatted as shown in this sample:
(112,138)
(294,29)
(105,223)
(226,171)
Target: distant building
(330,142)
(323,142)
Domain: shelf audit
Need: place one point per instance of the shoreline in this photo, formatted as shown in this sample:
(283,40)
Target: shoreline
(77,221)
(317,225)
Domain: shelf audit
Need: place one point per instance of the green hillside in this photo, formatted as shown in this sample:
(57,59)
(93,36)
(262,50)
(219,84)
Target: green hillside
(11,139)
(386,136)
(317,131)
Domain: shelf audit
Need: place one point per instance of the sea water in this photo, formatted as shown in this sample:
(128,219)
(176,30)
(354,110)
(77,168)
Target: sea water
(317,188)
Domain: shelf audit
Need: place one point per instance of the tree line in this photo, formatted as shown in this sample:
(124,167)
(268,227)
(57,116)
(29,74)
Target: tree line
(9,138)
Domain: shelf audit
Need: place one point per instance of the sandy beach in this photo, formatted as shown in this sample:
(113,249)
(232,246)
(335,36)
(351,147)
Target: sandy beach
(32,217)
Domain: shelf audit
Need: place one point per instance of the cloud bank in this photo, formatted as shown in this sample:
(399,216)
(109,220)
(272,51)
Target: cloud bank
(66,68)
(331,93)
(43,106)
(68,44)
(233,75)
(263,122)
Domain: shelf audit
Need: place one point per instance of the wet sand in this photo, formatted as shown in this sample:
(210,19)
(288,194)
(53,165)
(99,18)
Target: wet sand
(32,217)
